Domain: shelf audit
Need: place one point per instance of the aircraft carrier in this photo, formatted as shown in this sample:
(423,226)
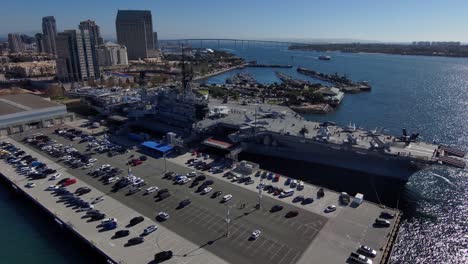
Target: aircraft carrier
(274,130)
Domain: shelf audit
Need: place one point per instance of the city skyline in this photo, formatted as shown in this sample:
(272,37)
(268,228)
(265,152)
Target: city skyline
(398,21)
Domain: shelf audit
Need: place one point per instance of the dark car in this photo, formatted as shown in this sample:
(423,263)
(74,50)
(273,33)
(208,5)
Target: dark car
(121,233)
(292,214)
(216,194)
(83,191)
(200,178)
(194,183)
(62,181)
(387,215)
(136,220)
(208,182)
(184,203)
(276,208)
(136,240)
(163,256)
(381,223)
(307,200)
(98,216)
(297,199)
(143,158)
(163,195)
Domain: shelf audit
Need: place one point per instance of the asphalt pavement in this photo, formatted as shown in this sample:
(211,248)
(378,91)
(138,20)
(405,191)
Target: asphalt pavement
(283,240)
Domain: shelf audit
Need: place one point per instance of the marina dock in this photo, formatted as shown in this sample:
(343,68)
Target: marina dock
(196,234)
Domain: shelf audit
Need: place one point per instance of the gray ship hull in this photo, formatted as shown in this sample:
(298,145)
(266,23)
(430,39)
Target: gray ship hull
(359,161)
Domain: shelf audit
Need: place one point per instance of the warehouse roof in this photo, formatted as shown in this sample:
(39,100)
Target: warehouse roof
(15,103)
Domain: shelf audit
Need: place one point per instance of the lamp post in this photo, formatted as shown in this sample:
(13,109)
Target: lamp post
(228,219)
(260,188)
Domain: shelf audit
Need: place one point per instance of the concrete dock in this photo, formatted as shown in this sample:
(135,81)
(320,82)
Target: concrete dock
(196,234)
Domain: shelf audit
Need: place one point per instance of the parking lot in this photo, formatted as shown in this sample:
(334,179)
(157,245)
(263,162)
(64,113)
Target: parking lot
(283,240)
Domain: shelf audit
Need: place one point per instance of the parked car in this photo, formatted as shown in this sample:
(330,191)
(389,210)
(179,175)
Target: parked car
(185,203)
(360,258)
(134,190)
(121,233)
(162,256)
(227,197)
(292,214)
(97,200)
(255,234)
(108,220)
(163,216)
(276,208)
(150,229)
(207,190)
(69,182)
(367,251)
(136,220)
(387,215)
(216,194)
(307,200)
(136,240)
(330,208)
(381,222)
(151,189)
(297,199)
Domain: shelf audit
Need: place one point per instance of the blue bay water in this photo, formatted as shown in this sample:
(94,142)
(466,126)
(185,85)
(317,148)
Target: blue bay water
(423,94)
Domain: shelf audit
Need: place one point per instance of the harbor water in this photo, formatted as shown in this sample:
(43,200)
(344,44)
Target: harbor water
(424,94)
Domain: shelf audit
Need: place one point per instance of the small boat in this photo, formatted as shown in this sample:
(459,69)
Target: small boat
(324,57)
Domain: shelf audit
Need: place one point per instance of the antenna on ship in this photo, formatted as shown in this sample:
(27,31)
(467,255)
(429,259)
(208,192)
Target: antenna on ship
(186,77)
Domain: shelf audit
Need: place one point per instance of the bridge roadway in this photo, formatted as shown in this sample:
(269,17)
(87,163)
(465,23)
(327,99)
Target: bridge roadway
(241,41)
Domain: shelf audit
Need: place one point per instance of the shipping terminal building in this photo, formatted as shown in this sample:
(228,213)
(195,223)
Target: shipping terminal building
(23,112)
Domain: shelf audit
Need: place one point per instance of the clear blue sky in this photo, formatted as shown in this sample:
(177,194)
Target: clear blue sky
(396,20)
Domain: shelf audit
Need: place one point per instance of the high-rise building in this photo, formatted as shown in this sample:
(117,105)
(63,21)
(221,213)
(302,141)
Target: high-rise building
(75,60)
(95,38)
(15,44)
(49,31)
(156,42)
(94,31)
(111,54)
(40,42)
(135,31)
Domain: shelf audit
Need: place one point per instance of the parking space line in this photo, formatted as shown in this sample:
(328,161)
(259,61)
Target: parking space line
(276,253)
(284,255)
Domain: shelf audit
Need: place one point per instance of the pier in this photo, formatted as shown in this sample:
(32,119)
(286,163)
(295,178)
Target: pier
(341,82)
(312,235)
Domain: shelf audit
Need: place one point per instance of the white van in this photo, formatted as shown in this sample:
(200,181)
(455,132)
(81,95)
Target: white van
(287,193)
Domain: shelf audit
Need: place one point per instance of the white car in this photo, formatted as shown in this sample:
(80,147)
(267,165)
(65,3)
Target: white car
(138,181)
(97,200)
(56,176)
(227,197)
(185,180)
(52,187)
(31,185)
(151,189)
(92,160)
(108,220)
(293,183)
(330,208)
(150,229)
(255,234)
(84,209)
(192,174)
(112,179)
(163,215)
(207,190)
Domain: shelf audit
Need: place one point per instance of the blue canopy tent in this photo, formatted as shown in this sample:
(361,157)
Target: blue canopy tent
(155,148)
